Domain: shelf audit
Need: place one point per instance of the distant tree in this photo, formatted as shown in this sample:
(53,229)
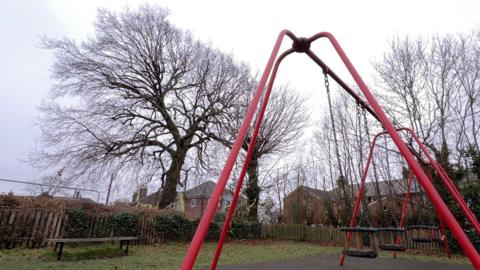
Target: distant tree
(139,96)
(432,85)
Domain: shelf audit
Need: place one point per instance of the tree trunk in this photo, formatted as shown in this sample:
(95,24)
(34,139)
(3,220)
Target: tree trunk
(253,190)
(172,179)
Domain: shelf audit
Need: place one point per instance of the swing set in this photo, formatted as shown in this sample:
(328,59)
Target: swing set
(397,235)
(370,105)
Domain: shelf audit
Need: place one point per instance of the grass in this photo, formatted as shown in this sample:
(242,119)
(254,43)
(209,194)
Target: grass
(162,256)
(169,256)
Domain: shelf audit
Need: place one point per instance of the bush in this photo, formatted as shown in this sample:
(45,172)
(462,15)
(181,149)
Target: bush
(175,227)
(220,217)
(77,224)
(455,247)
(178,228)
(213,233)
(123,224)
(9,201)
(245,230)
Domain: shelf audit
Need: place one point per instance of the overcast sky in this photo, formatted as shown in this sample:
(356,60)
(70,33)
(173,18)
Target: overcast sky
(244,28)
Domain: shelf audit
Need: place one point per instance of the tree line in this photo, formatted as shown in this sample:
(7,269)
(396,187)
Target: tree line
(143,101)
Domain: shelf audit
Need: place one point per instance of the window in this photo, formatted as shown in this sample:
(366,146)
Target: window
(227,202)
(193,203)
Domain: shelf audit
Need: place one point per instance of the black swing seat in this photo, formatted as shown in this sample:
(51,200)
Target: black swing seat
(364,253)
(425,239)
(393,247)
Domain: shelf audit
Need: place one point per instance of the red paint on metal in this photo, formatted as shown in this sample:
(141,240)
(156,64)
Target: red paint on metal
(243,172)
(404,208)
(447,182)
(207,217)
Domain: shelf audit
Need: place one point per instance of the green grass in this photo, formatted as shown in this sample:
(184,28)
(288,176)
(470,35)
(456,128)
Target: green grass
(162,256)
(169,256)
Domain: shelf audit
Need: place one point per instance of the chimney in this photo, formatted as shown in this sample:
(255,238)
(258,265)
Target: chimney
(142,192)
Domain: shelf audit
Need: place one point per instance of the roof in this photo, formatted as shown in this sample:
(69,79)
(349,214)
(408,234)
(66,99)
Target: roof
(316,192)
(388,187)
(320,194)
(203,190)
(152,198)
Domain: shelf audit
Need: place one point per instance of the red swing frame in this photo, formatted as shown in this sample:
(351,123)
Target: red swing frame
(446,181)
(302,45)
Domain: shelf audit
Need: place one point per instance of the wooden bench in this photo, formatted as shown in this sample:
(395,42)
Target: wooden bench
(61,241)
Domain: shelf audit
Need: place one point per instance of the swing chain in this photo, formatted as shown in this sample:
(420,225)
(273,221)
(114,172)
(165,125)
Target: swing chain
(337,150)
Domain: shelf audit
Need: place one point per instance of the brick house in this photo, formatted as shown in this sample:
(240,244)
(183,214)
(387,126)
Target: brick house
(197,198)
(392,194)
(306,205)
(192,202)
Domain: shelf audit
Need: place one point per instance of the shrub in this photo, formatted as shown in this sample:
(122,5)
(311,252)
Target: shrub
(175,227)
(123,224)
(77,224)
(9,201)
(213,233)
(245,230)
(455,247)
(220,217)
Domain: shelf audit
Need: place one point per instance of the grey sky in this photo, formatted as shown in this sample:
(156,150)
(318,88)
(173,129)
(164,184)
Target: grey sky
(245,28)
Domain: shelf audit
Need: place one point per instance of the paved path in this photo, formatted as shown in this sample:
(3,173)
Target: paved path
(330,262)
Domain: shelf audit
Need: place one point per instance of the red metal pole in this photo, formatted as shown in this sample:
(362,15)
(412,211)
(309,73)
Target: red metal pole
(432,193)
(442,227)
(404,208)
(448,183)
(360,193)
(458,197)
(243,172)
(202,229)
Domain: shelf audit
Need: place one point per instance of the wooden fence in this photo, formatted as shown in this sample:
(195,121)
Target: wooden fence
(329,235)
(32,227)
(28,227)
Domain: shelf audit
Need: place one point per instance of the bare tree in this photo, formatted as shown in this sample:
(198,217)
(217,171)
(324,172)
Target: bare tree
(285,117)
(432,85)
(141,94)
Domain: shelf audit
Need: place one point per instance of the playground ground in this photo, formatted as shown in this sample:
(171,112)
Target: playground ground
(330,262)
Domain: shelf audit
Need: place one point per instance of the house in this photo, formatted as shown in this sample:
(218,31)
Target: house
(197,198)
(389,197)
(306,205)
(192,202)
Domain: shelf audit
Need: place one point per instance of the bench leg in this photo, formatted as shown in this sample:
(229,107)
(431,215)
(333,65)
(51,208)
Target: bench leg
(126,250)
(60,252)
(56,247)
